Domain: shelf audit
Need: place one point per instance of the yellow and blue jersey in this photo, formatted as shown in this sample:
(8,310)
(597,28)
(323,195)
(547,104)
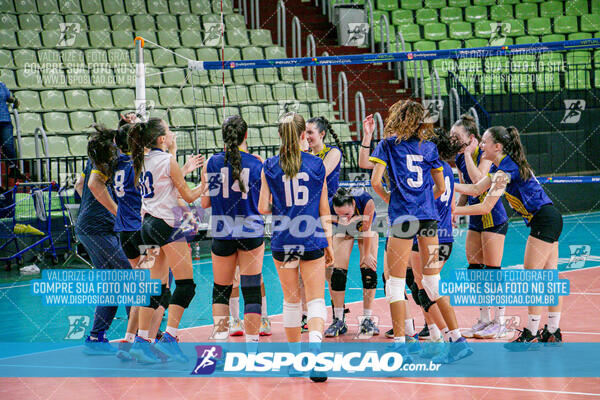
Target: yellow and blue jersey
(524,196)
(361,198)
(409,164)
(129,197)
(94,218)
(443,205)
(295,210)
(333,179)
(235,213)
(498,214)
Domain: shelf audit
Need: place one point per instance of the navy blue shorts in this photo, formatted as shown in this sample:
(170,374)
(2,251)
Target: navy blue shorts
(105,250)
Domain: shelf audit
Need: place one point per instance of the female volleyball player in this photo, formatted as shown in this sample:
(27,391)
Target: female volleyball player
(316,131)
(512,176)
(294,191)
(355,210)
(485,237)
(234,178)
(416,179)
(161,183)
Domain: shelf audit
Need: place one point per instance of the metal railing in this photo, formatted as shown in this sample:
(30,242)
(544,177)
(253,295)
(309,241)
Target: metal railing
(296,38)
(327,80)
(401,66)
(311,51)
(379,126)
(343,96)
(371,32)
(359,111)
(453,101)
(382,44)
(281,31)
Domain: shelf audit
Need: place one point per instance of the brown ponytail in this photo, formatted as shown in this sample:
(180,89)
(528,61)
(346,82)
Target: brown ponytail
(234,131)
(406,120)
(468,122)
(511,143)
(101,149)
(142,135)
(291,126)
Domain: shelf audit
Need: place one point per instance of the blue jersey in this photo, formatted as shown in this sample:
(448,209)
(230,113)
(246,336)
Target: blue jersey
(333,179)
(129,198)
(525,197)
(94,218)
(409,164)
(296,217)
(235,213)
(498,214)
(443,205)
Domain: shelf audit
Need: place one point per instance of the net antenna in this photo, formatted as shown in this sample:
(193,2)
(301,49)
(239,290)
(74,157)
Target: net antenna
(140,79)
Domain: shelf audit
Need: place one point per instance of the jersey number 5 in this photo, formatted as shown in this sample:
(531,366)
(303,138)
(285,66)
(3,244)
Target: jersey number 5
(295,194)
(411,159)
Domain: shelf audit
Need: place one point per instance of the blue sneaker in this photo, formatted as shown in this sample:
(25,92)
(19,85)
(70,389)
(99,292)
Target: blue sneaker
(402,349)
(368,328)
(412,345)
(169,347)
(141,350)
(98,347)
(456,351)
(123,353)
(338,327)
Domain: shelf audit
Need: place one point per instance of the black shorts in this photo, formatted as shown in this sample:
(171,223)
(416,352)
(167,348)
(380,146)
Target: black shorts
(546,224)
(225,248)
(501,229)
(406,230)
(284,256)
(444,252)
(131,242)
(157,232)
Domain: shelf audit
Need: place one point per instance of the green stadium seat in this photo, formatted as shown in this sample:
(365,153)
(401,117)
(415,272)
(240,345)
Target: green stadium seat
(579,36)
(8,40)
(396,46)
(124,98)
(521,83)
(551,9)
(123,39)
(213,95)
(57,147)
(57,122)
(283,91)
(225,112)
(450,14)
(516,27)
(414,69)
(78,144)
(152,96)
(261,37)
(166,23)
(484,28)
(435,3)
(377,35)
(524,63)
(252,53)
(143,22)
(28,79)
(343,131)
(460,30)
(471,43)
(190,38)
(29,39)
(174,77)
(73,56)
(527,39)
(200,7)
(158,7)
(95,56)
(216,77)
(434,31)
(272,113)
(78,77)
(103,77)
(548,82)
(532,1)
(590,22)
(412,32)
(30,100)
(597,59)
(113,7)
(207,54)
(179,7)
(581,59)
(231,54)
(469,66)
(459,3)
(412,4)
(27,147)
(275,52)
(225,5)
(47,6)
(475,13)
(261,93)
(431,87)
(9,22)
(292,75)
(253,115)
(122,22)
(553,38)
(269,135)
(387,5)
(443,66)
(237,37)
(501,12)
(576,7)
(207,117)
(91,7)
(254,138)
(424,45)
(185,52)
(101,99)
(206,139)
(8,78)
(110,119)
(24,57)
(181,117)
(565,24)
(189,22)
(497,65)
(99,22)
(539,26)
(449,44)
(7,7)
(244,76)
(168,39)
(551,62)
(306,91)
(400,17)
(53,78)
(77,19)
(211,19)
(238,94)
(595,7)
(51,22)
(55,100)
(577,79)
(484,2)
(6,59)
(526,11)
(75,100)
(29,122)
(426,15)
(118,56)
(184,140)
(234,21)
(30,21)
(69,6)
(199,78)
(597,78)
(49,56)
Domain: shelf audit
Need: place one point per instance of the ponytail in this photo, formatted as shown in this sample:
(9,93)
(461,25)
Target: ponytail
(101,149)
(234,131)
(142,135)
(291,127)
(323,125)
(511,143)
(468,122)
(342,197)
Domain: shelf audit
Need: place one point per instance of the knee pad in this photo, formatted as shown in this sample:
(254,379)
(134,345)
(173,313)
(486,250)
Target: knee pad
(431,284)
(338,279)
(384,283)
(369,278)
(165,297)
(185,289)
(250,285)
(395,289)
(316,309)
(221,293)
(292,315)
(490,267)
(424,300)
(155,301)
(410,277)
(414,291)
(475,266)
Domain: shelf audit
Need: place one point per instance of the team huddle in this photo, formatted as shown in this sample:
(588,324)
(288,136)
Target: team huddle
(134,196)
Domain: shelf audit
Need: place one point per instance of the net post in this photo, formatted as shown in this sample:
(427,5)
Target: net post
(140,79)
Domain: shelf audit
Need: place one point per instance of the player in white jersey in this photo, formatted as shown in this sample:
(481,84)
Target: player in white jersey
(165,216)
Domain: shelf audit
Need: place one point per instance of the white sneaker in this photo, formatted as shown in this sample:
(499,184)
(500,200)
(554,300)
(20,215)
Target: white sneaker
(432,348)
(236,328)
(479,326)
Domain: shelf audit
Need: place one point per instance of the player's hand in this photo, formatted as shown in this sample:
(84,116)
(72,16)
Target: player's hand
(369,261)
(470,149)
(454,221)
(368,128)
(329,258)
(193,163)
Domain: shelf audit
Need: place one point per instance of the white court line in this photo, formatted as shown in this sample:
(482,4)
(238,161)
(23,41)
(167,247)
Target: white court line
(467,386)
